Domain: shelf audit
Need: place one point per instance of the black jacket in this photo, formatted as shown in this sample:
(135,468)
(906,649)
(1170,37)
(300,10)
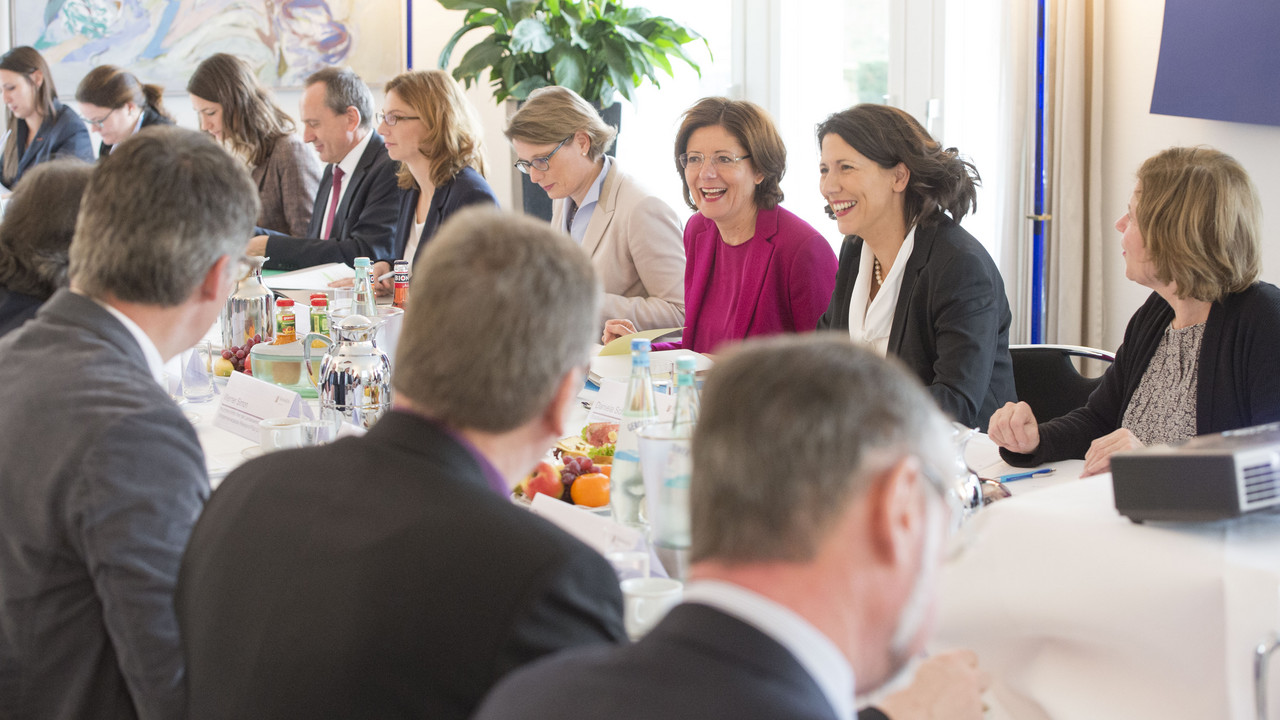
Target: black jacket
(364,223)
(468,187)
(951,323)
(377,577)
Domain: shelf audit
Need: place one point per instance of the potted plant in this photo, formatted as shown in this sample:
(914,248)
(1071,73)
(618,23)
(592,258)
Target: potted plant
(597,48)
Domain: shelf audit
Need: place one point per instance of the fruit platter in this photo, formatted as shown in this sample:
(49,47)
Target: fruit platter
(578,469)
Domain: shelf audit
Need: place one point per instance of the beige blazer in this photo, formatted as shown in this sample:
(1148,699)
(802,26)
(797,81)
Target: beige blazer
(636,244)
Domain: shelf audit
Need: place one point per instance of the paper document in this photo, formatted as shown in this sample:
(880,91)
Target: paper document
(312,278)
(622,345)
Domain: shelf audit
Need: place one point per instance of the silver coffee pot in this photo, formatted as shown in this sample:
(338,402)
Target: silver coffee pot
(355,376)
(250,309)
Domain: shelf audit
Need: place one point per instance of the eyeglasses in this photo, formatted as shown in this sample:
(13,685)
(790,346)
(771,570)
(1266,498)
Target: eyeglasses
(98,123)
(541,164)
(720,162)
(391,120)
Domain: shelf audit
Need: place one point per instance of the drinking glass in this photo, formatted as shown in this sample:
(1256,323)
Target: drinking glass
(197,373)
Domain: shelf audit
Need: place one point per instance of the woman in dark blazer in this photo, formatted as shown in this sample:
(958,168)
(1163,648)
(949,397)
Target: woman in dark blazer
(117,105)
(430,128)
(31,101)
(912,282)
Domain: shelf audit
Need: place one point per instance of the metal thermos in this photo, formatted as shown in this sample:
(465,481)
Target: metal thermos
(355,376)
(248,311)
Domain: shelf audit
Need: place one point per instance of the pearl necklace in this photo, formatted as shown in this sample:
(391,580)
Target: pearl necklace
(875,269)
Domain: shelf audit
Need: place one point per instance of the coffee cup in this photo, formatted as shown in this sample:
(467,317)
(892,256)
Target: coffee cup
(280,433)
(647,601)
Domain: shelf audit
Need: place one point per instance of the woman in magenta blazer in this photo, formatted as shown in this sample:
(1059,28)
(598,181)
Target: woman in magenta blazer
(752,267)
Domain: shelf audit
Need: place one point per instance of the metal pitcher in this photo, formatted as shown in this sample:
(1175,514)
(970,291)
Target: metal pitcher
(249,310)
(355,376)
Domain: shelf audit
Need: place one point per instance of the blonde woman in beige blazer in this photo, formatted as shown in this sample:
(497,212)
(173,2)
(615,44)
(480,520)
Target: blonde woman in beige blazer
(633,238)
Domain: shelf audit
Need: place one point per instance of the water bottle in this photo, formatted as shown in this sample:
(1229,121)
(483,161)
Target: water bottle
(687,402)
(626,495)
(362,298)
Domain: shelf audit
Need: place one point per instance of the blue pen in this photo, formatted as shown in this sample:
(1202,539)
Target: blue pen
(1042,472)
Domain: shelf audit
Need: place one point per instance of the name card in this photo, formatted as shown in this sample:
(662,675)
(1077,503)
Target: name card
(598,532)
(248,401)
(613,397)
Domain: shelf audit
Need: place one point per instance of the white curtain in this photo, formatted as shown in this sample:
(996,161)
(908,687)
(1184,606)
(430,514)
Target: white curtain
(1073,108)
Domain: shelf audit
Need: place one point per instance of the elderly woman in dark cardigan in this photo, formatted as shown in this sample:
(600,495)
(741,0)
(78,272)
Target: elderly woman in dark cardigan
(1200,356)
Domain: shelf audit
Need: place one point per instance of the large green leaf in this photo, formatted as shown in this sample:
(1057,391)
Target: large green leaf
(482,55)
(568,67)
(499,5)
(521,9)
(531,36)
(521,90)
(631,35)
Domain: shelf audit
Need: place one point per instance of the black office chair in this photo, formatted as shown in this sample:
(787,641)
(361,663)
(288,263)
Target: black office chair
(1047,380)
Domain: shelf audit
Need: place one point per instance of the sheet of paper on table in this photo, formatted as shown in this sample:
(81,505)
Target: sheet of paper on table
(312,278)
(622,345)
(661,363)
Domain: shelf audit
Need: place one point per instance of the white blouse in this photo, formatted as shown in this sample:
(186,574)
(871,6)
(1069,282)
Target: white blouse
(871,324)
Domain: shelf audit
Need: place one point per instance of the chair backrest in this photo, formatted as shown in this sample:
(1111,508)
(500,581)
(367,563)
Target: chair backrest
(1047,380)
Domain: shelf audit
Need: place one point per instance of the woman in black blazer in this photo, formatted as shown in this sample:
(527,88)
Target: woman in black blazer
(912,282)
(117,105)
(431,129)
(31,101)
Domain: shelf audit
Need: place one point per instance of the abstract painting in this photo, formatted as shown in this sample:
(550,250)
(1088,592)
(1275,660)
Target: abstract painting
(162,41)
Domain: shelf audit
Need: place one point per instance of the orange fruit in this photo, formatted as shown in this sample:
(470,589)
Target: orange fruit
(590,490)
(606,469)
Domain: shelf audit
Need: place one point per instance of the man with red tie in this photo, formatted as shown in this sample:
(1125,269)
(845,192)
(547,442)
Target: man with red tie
(356,204)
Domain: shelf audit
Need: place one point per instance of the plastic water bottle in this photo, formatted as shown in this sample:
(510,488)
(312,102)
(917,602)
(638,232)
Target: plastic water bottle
(362,299)
(687,401)
(626,495)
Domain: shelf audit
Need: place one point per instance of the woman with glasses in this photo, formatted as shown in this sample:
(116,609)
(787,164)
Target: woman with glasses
(631,236)
(39,126)
(431,129)
(912,282)
(238,112)
(117,105)
(754,267)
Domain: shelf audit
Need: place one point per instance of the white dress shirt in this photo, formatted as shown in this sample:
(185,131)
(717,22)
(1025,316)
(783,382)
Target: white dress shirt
(577,229)
(348,165)
(870,324)
(815,652)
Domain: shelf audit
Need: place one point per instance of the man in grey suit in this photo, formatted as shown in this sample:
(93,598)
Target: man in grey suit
(820,500)
(101,475)
(358,200)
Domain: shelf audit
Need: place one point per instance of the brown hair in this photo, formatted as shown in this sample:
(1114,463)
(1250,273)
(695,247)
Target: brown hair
(110,87)
(38,225)
(1199,215)
(939,178)
(753,128)
(453,138)
(26,61)
(251,120)
(553,113)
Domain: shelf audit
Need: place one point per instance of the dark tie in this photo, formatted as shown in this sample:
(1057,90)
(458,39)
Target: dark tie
(333,201)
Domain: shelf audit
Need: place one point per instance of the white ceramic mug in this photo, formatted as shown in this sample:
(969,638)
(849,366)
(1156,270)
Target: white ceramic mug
(280,433)
(647,601)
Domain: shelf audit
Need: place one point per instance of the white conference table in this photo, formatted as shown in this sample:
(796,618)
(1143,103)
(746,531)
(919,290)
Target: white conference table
(1079,613)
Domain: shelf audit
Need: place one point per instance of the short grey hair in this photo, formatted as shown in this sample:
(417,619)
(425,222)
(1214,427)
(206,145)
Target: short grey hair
(553,113)
(792,430)
(159,212)
(501,307)
(39,223)
(343,89)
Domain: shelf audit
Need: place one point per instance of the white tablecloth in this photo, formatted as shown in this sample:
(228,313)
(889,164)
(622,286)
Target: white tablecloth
(1079,613)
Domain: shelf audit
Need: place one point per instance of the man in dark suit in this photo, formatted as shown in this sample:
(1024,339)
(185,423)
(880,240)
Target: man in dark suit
(818,512)
(356,205)
(391,575)
(101,476)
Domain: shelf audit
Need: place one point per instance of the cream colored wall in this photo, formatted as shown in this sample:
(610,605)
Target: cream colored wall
(1131,134)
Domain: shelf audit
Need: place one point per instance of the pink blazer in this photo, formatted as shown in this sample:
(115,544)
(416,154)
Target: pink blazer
(790,273)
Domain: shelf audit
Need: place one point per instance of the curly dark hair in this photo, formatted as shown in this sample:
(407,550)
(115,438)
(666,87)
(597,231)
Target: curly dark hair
(940,179)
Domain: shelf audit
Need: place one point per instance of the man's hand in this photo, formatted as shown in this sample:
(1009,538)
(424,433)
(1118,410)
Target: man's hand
(947,686)
(257,246)
(1098,459)
(1014,428)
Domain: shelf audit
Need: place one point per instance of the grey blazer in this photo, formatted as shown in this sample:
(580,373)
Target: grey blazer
(101,480)
(287,184)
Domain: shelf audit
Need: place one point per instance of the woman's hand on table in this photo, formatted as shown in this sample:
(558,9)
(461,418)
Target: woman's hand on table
(947,685)
(614,329)
(1098,459)
(1014,428)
